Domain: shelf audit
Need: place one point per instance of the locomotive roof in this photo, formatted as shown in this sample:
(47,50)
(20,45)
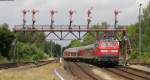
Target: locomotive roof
(76,49)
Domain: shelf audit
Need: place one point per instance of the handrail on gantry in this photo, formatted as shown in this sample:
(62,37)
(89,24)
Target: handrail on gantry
(64,28)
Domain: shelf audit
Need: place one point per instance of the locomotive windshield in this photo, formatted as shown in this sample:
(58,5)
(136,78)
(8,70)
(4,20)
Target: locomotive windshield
(109,43)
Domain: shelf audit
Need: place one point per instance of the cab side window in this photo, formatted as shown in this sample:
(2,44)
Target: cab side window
(96,45)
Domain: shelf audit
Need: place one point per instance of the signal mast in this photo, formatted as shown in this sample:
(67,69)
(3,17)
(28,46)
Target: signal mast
(116,18)
(52,12)
(33,17)
(89,17)
(24,17)
(71,12)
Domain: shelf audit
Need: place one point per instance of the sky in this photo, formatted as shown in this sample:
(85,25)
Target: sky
(11,11)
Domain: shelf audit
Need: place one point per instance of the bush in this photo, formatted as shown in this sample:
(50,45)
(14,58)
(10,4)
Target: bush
(3,60)
(145,57)
(39,56)
(29,52)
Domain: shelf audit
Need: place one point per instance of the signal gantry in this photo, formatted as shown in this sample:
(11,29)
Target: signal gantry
(70,28)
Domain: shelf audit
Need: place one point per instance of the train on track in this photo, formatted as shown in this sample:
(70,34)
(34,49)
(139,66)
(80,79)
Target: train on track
(103,51)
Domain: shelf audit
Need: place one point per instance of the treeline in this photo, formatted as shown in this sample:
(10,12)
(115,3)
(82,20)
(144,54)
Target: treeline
(145,36)
(21,46)
(6,39)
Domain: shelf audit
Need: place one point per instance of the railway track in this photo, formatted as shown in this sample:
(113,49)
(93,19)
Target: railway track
(80,72)
(130,73)
(18,64)
(142,64)
(148,66)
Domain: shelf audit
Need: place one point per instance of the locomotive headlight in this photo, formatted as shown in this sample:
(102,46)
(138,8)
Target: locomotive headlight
(114,50)
(104,50)
(108,50)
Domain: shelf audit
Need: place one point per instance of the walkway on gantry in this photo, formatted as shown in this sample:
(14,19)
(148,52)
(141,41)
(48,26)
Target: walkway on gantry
(65,28)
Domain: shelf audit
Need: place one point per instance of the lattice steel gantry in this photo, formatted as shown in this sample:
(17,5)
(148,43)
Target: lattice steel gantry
(75,30)
(63,29)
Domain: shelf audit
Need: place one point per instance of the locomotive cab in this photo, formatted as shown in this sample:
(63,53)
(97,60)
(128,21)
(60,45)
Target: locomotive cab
(108,51)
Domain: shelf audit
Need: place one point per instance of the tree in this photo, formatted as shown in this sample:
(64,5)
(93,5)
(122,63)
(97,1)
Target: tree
(57,50)
(6,39)
(75,43)
(30,37)
(104,24)
(89,39)
(146,29)
(52,49)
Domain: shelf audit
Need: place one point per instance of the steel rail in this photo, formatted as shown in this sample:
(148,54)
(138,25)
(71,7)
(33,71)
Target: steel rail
(126,74)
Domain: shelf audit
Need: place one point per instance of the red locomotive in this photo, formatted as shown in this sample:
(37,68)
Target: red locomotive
(105,50)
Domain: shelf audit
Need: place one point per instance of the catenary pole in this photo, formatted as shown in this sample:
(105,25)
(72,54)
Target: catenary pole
(140,34)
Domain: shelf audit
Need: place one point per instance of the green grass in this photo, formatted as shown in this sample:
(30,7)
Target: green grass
(40,73)
(144,58)
(3,60)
